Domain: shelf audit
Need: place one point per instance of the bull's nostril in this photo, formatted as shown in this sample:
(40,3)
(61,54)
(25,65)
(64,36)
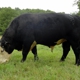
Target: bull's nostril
(2,51)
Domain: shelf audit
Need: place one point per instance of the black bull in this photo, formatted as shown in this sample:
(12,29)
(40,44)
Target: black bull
(50,29)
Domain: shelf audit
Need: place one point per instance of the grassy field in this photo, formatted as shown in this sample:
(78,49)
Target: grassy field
(48,67)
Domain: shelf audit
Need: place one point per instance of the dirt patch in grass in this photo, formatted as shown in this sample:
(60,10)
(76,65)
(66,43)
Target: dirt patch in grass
(4,56)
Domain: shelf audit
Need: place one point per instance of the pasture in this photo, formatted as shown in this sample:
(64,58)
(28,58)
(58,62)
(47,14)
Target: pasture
(48,67)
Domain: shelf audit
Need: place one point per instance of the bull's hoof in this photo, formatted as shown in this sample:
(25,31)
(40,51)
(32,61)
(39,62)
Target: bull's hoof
(78,64)
(22,60)
(36,59)
(61,60)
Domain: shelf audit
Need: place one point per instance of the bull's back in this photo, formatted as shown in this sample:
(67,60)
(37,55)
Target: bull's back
(51,27)
(46,28)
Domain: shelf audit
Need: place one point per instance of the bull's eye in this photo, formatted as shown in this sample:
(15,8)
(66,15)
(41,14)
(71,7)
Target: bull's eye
(6,43)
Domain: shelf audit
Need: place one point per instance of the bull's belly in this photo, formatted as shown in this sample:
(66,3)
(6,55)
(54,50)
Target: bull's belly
(57,43)
(60,41)
(47,44)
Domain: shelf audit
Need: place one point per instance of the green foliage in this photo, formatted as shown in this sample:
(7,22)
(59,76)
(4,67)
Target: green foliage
(48,67)
(77,2)
(7,14)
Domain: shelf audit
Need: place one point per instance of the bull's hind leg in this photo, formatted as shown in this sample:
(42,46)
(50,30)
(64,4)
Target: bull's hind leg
(76,52)
(78,62)
(34,51)
(76,48)
(66,49)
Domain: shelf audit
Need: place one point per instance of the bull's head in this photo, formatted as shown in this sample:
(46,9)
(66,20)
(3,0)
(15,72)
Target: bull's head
(6,46)
(4,56)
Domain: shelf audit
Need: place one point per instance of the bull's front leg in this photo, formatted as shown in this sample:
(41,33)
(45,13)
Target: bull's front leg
(34,51)
(25,50)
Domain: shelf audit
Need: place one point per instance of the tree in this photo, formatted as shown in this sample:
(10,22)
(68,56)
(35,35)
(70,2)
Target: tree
(77,2)
(6,15)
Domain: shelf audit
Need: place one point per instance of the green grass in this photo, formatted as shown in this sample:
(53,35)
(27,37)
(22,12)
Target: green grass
(48,67)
